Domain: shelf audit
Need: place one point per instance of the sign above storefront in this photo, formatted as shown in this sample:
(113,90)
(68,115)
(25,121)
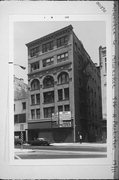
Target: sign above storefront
(62,119)
(61,116)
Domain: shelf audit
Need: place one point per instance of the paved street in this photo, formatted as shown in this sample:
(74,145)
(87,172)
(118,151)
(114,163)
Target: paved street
(64,150)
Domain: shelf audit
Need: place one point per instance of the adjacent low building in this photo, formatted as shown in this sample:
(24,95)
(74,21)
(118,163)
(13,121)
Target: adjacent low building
(64,89)
(103,71)
(20,108)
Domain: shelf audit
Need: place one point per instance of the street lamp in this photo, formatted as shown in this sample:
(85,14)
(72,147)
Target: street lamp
(20,66)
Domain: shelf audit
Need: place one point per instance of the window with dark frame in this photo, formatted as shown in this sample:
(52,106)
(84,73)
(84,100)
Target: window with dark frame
(62,41)
(47,46)
(19,118)
(48,112)
(33,114)
(34,66)
(66,107)
(60,108)
(37,98)
(33,99)
(34,51)
(37,113)
(66,93)
(23,105)
(62,57)
(48,82)
(63,78)
(60,95)
(49,97)
(48,62)
(22,118)
(16,118)
(35,84)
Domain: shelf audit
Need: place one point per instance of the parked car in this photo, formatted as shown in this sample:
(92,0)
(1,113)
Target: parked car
(39,142)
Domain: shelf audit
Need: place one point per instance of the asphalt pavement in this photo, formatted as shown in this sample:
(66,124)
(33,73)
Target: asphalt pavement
(62,150)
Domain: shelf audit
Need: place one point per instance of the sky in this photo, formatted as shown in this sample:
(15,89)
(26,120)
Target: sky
(91,33)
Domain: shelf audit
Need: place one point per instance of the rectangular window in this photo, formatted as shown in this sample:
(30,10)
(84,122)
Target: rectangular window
(66,93)
(37,98)
(47,46)
(62,57)
(60,95)
(48,62)
(22,118)
(16,118)
(24,105)
(60,108)
(32,114)
(37,113)
(66,108)
(49,97)
(32,99)
(34,51)
(48,112)
(62,41)
(34,66)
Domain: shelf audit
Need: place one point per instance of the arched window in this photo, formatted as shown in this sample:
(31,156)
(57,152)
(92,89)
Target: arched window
(63,78)
(48,82)
(35,84)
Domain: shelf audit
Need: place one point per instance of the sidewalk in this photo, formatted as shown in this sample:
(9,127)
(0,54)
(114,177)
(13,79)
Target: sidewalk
(80,144)
(23,150)
(26,150)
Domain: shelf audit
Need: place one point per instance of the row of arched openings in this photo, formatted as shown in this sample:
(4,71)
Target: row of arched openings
(49,81)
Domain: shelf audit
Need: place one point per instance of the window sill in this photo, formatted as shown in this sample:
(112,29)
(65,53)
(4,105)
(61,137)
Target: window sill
(48,102)
(48,87)
(63,100)
(34,104)
(63,83)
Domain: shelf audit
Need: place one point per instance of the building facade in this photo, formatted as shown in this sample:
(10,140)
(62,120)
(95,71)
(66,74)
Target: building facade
(64,89)
(103,71)
(20,108)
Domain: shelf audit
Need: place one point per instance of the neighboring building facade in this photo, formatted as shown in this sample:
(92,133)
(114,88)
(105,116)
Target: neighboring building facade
(20,108)
(103,71)
(64,89)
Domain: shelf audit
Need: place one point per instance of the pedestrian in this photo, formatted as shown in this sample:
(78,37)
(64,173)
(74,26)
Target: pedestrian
(80,138)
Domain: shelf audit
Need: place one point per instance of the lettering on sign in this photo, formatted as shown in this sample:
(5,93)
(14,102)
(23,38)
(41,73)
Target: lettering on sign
(65,124)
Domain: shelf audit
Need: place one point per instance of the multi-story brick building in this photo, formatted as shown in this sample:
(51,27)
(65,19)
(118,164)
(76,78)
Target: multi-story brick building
(64,89)
(20,108)
(103,71)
